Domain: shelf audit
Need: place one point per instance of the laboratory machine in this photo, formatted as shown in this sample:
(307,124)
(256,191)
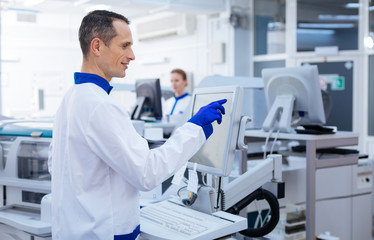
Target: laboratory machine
(25,183)
(212,208)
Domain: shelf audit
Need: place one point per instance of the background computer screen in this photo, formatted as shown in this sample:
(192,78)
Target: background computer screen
(293,96)
(148,100)
(217,154)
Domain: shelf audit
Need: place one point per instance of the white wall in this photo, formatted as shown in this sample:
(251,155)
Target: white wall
(157,57)
(40,55)
(45,54)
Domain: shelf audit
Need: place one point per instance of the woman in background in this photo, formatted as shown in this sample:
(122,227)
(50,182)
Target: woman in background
(177,105)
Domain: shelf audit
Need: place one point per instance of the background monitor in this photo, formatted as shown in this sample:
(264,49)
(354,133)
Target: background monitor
(148,100)
(217,155)
(293,96)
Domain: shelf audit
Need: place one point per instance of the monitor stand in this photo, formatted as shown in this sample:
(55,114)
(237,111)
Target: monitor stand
(137,111)
(281,113)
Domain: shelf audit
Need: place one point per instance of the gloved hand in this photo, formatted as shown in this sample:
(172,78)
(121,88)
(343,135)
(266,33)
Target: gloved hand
(207,115)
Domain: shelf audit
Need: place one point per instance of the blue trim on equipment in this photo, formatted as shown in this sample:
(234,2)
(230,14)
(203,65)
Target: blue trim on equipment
(25,132)
(92,78)
(129,236)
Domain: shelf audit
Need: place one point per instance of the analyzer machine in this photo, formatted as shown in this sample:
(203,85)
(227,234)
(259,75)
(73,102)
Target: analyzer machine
(209,211)
(25,182)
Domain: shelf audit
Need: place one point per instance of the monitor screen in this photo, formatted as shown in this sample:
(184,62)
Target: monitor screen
(218,153)
(293,96)
(148,100)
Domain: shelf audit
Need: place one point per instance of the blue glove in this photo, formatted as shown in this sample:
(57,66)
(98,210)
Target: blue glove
(207,115)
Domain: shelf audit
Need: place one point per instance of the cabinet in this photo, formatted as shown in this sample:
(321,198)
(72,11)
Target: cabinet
(312,143)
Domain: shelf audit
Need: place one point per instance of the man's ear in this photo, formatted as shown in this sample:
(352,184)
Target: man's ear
(95,46)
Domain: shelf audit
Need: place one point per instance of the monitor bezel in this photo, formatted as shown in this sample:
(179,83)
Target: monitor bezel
(232,132)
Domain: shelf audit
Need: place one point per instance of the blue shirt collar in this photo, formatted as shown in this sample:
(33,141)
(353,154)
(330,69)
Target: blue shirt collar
(92,78)
(180,97)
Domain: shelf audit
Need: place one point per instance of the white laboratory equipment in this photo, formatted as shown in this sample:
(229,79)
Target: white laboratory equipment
(171,220)
(343,203)
(213,211)
(24,180)
(329,180)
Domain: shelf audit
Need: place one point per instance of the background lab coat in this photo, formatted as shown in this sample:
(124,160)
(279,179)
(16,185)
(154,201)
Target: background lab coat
(101,163)
(179,109)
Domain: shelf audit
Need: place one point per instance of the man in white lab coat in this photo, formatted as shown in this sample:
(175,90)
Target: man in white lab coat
(97,160)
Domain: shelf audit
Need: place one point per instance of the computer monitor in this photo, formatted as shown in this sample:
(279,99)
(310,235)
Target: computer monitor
(217,155)
(148,100)
(293,96)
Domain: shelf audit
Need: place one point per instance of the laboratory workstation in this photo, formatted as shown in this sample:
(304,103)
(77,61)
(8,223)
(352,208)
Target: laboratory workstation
(186,119)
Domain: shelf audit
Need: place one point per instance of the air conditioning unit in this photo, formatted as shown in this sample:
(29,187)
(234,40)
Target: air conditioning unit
(175,24)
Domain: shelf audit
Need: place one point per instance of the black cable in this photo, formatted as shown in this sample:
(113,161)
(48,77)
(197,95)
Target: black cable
(223,201)
(259,194)
(219,192)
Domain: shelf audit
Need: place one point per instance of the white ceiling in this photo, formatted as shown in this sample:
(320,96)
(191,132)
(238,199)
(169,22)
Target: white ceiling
(129,8)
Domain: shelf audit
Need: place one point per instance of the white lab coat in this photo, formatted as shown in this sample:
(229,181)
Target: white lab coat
(180,107)
(99,163)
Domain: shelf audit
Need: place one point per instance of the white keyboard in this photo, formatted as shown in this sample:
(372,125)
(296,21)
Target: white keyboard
(169,220)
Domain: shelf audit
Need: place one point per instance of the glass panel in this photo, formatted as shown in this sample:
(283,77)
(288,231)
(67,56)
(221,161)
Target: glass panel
(32,197)
(258,66)
(33,161)
(371,96)
(327,23)
(269,26)
(369,42)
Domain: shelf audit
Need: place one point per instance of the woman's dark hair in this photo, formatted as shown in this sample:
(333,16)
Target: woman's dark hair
(98,24)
